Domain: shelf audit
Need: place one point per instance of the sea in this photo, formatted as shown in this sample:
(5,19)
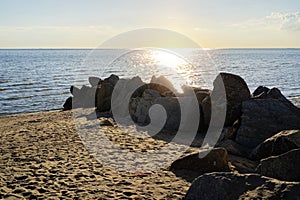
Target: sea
(33,80)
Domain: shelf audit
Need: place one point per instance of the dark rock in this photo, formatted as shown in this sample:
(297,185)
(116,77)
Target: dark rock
(106,122)
(206,108)
(284,167)
(94,81)
(103,97)
(228,133)
(214,160)
(260,90)
(228,186)
(234,148)
(68,104)
(104,93)
(237,91)
(263,118)
(242,164)
(280,143)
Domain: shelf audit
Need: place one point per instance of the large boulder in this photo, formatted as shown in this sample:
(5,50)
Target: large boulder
(104,92)
(280,143)
(237,91)
(263,118)
(234,89)
(214,160)
(284,167)
(228,186)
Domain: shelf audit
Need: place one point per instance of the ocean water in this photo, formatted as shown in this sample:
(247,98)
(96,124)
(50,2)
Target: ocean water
(39,79)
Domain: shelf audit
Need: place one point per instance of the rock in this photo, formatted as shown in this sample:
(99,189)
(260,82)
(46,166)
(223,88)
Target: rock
(103,97)
(263,118)
(104,92)
(74,90)
(68,104)
(201,95)
(172,107)
(228,133)
(234,148)
(94,81)
(284,167)
(280,143)
(237,91)
(214,161)
(106,122)
(228,186)
(206,109)
(242,164)
(260,90)
(161,84)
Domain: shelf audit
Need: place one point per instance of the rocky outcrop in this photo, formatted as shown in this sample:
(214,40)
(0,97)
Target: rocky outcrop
(263,118)
(228,186)
(214,161)
(280,143)
(284,167)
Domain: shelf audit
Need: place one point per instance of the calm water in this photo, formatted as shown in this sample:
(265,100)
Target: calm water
(36,80)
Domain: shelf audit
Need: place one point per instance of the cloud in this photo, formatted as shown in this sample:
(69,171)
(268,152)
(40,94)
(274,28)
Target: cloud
(286,21)
(276,21)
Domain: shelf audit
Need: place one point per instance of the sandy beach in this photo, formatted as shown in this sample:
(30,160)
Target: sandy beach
(42,156)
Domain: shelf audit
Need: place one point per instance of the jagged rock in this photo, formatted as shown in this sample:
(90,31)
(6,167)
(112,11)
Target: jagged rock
(228,186)
(94,81)
(234,148)
(284,167)
(214,161)
(280,143)
(263,118)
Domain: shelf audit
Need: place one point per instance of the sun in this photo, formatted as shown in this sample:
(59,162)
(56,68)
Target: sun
(168,59)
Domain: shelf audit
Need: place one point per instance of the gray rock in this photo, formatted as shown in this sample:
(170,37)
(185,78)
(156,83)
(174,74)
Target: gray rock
(280,143)
(284,167)
(214,161)
(228,186)
(263,118)
(94,81)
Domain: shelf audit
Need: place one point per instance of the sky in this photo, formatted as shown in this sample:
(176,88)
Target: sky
(210,23)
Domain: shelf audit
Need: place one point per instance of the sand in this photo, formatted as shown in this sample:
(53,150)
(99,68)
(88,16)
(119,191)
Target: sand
(42,156)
